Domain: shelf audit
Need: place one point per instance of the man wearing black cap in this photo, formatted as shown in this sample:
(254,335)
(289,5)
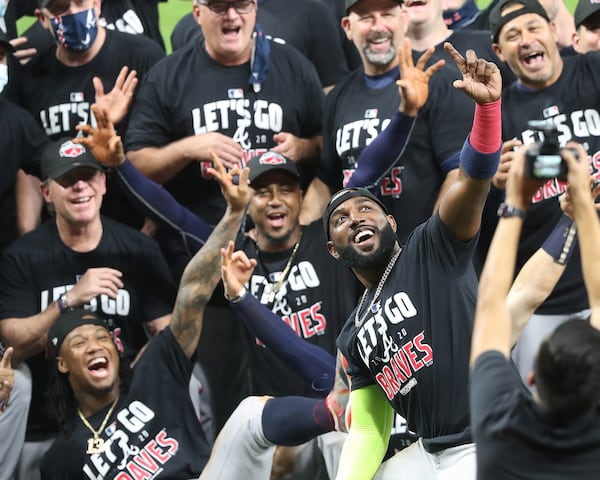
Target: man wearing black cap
(587,23)
(294,277)
(407,343)
(78,259)
(563,92)
(145,425)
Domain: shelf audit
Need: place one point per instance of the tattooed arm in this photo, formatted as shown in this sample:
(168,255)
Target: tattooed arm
(203,272)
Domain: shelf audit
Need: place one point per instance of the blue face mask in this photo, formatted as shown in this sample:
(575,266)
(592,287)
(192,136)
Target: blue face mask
(3,76)
(76,32)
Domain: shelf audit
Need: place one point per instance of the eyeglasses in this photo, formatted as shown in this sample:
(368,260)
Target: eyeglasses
(221,8)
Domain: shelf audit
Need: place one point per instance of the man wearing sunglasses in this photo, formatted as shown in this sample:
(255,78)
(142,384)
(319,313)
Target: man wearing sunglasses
(78,259)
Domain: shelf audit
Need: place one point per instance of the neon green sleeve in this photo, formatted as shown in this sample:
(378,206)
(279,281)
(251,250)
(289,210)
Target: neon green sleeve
(369,434)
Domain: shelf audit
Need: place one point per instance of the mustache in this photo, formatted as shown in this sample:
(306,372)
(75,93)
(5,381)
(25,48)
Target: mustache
(379,36)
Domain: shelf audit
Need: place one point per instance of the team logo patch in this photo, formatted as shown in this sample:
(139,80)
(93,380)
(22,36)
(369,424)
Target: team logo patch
(235,93)
(371,113)
(71,150)
(272,158)
(550,111)
(76,96)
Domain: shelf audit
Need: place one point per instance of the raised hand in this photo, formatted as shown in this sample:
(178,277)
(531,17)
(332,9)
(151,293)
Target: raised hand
(234,183)
(118,100)
(236,270)
(481,79)
(23,55)
(7,378)
(414,79)
(103,141)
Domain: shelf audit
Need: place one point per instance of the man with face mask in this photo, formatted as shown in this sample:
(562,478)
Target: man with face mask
(86,66)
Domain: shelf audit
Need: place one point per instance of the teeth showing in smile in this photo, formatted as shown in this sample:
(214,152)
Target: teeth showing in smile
(98,363)
(363,235)
(82,200)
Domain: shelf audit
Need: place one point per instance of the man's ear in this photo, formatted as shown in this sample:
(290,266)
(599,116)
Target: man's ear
(45,192)
(332,250)
(62,365)
(498,51)
(345,22)
(196,12)
(392,221)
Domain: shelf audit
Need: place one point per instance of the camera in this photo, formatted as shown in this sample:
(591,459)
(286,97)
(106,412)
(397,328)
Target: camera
(543,161)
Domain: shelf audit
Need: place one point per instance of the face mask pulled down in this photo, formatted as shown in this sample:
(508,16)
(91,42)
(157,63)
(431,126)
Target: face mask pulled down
(76,32)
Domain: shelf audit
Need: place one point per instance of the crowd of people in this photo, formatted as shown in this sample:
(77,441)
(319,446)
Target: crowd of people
(321,239)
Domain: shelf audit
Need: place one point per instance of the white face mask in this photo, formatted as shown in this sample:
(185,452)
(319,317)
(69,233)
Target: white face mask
(3,76)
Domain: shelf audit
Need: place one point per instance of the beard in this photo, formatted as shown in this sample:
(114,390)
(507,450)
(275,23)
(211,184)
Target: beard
(379,58)
(377,259)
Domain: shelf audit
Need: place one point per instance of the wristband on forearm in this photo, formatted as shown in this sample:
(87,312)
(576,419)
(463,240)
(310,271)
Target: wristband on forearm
(561,241)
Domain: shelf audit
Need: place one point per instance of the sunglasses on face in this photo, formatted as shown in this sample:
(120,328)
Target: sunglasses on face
(221,8)
(70,178)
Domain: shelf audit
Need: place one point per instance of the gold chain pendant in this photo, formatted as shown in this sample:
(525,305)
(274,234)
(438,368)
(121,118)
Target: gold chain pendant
(95,446)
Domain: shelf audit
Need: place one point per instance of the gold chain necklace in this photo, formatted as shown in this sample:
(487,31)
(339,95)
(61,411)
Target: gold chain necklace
(284,274)
(96,444)
(358,321)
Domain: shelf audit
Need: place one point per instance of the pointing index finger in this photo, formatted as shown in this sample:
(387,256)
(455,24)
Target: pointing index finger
(456,56)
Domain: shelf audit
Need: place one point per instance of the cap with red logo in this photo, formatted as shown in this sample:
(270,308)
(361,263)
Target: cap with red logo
(268,162)
(63,155)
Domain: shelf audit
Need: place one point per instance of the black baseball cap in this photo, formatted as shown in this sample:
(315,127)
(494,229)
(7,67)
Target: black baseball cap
(351,3)
(346,194)
(63,155)
(65,324)
(5,43)
(584,10)
(270,161)
(498,20)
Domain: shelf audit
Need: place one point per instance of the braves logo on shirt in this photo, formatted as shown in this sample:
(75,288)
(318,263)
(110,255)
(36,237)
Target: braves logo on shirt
(389,350)
(132,450)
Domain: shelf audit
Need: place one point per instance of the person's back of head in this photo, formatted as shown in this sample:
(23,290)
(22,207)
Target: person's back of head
(567,370)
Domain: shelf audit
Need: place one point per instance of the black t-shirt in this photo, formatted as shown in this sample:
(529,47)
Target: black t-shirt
(60,96)
(315,299)
(37,268)
(307,25)
(354,116)
(188,93)
(20,143)
(153,432)
(416,345)
(516,440)
(573,104)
